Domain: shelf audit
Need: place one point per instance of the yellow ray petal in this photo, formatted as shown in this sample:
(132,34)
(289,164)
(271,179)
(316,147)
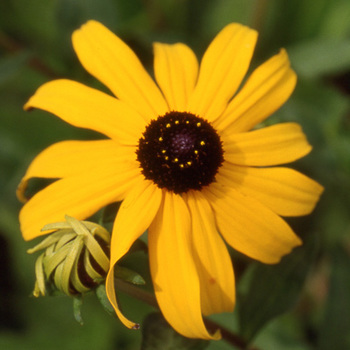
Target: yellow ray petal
(277,144)
(173,269)
(222,69)
(266,90)
(134,217)
(212,259)
(79,196)
(176,70)
(285,191)
(111,61)
(89,108)
(250,227)
(72,158)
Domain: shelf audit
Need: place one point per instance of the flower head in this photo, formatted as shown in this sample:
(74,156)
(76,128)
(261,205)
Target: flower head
(184,157)
(74,258)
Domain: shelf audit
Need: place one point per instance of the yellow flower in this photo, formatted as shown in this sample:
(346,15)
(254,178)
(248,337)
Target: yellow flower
(182,159)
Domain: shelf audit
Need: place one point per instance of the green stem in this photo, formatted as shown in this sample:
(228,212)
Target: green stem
(259,14)
(11,46)
(148,298)
(136,292)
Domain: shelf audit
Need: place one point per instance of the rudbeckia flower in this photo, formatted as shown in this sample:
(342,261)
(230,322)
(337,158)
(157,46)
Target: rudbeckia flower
(185,158)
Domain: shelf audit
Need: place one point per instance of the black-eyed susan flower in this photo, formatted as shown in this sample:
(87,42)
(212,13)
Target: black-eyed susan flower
(185,159)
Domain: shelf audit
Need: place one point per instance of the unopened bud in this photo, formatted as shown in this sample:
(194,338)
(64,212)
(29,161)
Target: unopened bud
(75,257)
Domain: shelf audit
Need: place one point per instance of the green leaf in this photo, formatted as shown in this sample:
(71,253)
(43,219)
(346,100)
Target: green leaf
(320,57)
(336,24)
(31,20)
(158,335)
(77,305)
(334,330)
(274,289)
(285,333)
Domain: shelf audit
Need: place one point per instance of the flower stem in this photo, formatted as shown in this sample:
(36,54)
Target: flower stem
(148,298)
(136,292)
(12,47)
(259,13)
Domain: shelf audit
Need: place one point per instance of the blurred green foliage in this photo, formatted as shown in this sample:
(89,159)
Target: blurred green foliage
(157,334)
(302,304)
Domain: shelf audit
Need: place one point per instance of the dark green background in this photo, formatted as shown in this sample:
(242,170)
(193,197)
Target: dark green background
(302,304)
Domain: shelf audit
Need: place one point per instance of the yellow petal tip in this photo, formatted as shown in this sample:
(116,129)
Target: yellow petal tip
(21,188)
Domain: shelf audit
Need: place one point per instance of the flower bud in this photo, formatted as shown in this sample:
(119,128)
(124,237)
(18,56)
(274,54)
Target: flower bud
(75,257)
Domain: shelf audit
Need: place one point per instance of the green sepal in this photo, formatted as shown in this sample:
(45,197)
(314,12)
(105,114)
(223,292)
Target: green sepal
(103,299)
(158,335)
(129,276)
(77,305)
